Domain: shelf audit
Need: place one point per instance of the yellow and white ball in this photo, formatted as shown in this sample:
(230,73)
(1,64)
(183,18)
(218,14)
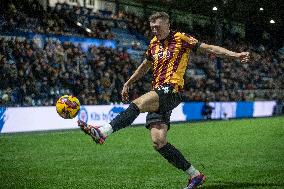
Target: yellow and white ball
(68,106)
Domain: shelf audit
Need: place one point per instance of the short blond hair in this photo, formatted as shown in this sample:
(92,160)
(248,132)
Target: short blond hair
(159,15)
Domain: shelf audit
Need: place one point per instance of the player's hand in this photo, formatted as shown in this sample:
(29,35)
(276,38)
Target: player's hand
(244,57)
(124,92)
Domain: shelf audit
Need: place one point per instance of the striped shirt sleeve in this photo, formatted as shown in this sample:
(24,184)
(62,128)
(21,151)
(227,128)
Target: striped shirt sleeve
(192,42)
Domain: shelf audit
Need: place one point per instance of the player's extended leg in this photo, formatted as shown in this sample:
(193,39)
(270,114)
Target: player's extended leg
(148,102)
(173,155)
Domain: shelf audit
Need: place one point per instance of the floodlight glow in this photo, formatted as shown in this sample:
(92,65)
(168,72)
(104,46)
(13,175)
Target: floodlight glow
(79,24)
(215,9)
(272,22)
(88,30)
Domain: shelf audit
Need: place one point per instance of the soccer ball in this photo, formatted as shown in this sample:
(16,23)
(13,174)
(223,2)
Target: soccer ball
(68,106)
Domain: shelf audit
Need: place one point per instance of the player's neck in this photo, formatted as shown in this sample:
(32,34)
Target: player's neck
(167,34)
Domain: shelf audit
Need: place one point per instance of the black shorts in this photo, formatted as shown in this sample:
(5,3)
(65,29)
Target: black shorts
(168,100)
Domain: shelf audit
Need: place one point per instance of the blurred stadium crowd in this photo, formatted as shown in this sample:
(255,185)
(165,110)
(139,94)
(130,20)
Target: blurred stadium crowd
(35,75)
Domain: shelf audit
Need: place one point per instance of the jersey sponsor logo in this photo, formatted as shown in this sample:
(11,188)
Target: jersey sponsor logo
(162,54)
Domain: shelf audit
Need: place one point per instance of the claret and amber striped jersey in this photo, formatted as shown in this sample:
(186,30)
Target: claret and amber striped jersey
(170,57)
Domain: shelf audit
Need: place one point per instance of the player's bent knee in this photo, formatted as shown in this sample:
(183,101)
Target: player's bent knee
(138,102)
(159,144)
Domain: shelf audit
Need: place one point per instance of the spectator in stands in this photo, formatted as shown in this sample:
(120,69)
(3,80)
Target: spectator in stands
(32,73)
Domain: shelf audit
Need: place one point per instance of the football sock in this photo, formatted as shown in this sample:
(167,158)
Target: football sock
(174,156)
(191,171)
(125,118)
(106,129)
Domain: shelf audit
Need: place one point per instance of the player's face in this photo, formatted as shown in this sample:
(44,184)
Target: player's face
(160,28)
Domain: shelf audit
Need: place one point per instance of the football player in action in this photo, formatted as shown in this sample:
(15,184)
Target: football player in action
(168,56)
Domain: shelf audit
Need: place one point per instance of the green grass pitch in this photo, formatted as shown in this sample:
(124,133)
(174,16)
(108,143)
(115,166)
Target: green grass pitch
(246,153)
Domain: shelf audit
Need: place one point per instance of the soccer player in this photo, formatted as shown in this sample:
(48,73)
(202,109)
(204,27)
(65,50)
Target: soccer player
(168,56)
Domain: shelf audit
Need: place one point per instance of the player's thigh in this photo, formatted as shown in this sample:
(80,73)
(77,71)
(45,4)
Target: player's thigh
(159,134)
(158,117)
(148,102)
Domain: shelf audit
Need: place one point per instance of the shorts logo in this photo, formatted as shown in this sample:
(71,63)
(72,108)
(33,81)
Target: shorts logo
(83,114)
(165,89)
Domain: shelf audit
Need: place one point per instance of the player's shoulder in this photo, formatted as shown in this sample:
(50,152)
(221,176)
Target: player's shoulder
(182,34)
(187,37)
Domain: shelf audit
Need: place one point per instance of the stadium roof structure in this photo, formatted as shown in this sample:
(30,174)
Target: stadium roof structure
(256,15)
(236,10)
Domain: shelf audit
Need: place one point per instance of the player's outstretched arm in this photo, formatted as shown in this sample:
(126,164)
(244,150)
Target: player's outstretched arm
(139,72)
(222,52)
